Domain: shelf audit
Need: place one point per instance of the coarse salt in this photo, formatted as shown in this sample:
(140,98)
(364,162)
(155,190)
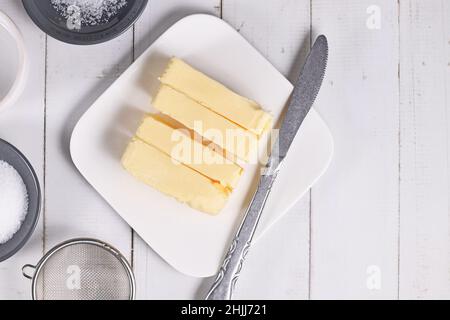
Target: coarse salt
(13,201)
(87,12)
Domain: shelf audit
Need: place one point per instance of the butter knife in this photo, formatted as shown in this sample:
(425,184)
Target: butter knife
(303,97)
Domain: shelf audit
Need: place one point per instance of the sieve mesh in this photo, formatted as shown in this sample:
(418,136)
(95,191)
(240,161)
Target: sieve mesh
(83,271)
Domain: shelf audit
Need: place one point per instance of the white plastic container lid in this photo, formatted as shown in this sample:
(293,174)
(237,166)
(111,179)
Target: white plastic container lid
(13,62)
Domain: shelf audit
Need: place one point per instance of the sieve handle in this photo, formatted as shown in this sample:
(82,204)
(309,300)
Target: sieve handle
(24,271)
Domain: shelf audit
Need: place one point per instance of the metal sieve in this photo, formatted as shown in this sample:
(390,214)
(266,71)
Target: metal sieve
(82,269)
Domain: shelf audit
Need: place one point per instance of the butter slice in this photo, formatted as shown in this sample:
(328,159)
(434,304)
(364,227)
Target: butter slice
(178,144)
(213,127)
(159,171)
(216,97)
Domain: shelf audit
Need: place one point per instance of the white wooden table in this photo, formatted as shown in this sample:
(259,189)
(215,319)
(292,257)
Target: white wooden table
(375,226)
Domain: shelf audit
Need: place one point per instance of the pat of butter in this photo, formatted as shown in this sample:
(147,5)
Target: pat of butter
(216,97)
(213,127)
(159,171)
(178,144)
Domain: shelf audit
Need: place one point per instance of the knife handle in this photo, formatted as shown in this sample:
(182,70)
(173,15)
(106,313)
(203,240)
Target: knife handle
(223,286)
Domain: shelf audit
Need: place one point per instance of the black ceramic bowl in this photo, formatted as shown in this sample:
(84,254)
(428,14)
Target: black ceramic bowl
(46,17)
(15,158)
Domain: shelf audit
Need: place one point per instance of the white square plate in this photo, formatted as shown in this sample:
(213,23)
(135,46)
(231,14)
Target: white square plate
(193,242)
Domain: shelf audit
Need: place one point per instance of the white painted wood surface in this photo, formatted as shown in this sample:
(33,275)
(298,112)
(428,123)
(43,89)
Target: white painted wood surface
(155,278)
(278,266)
(72,207)
(424,167)
(355,206)
(375,226)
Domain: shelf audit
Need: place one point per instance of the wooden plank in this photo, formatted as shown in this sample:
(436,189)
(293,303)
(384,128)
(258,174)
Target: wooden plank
(160,15)
(355,205)
(155,278)
(424,187)
(277,267)
(277,29)
(287,262)
(76,76)
(23,126)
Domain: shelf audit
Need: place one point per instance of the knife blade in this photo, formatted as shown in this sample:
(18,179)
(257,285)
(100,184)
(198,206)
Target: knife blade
(302,99)
(304,94)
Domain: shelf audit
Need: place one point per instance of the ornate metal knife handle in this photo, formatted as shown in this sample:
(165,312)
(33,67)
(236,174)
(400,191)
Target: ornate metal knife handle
(230,270)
